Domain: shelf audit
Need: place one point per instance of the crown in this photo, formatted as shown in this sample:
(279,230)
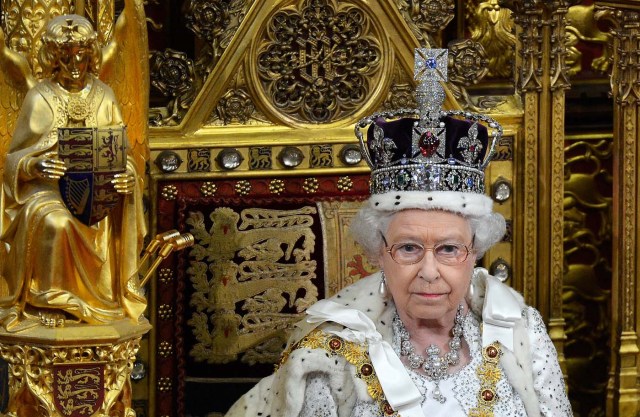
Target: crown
(428,149)
(70,29)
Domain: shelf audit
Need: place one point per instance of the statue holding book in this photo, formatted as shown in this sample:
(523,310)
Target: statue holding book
(63,262)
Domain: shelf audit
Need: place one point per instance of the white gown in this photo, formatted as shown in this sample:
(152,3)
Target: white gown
(316,380)
(461,388)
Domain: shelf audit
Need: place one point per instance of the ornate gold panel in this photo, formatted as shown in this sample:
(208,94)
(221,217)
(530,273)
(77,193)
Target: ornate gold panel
(587,278)
(492,26)
(24,23)
(318,60)
(350,265)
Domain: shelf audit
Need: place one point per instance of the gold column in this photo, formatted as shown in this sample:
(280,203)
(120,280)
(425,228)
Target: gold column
(540,158)
(622,395)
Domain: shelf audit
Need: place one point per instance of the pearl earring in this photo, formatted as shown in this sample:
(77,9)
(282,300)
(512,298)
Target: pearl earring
(383,290)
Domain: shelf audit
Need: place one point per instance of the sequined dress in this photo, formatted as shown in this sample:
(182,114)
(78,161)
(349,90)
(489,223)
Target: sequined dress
(461,388)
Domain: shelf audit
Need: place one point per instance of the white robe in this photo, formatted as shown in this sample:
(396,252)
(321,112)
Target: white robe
(314,383)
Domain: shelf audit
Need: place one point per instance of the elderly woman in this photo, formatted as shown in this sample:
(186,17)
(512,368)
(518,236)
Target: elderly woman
(430,334)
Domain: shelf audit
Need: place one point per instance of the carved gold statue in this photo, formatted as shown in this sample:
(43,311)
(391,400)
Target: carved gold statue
(56,268)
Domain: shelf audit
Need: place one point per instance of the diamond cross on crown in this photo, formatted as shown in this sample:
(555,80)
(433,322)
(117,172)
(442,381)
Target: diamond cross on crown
(428,138)
(430,64)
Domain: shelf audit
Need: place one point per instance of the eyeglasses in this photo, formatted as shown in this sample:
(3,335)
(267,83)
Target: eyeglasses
(412,253)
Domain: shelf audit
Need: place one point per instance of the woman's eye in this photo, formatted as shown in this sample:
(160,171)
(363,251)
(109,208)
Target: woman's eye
(410,248)
(447,249)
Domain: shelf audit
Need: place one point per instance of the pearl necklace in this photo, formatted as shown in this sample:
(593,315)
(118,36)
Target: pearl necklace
(434,366)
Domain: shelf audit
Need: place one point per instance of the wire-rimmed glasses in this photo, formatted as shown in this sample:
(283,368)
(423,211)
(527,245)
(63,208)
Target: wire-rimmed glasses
(409,253)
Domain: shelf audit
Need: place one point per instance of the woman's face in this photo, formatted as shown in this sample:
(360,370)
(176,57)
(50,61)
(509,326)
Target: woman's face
(427,290)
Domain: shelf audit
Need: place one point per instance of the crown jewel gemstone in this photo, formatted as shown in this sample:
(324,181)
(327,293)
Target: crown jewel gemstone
(428,144)
(403,179)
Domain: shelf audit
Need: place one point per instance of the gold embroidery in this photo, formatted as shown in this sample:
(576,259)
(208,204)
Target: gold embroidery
(489,374)
(355,354)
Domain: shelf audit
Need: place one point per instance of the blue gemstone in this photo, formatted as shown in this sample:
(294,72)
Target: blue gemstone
(385,181)
(403,161)
(431,63)
(469,182)
(451,161)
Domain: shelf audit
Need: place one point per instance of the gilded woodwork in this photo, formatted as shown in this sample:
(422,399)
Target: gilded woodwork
(40,360)
(468,64)
(558,83)
(24,24)
(173,74)
(215,22)
(318,63)
(180,77)
(623,395)
(587,290)
(542,79)
(492,26)
(101,14)
(427,18)
(582,26)
(236,106)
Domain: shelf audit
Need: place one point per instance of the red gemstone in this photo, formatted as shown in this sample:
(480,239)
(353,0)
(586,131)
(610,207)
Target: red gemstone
(335,344)
(428,144)
(487,395)
(387,408)
(492,352)
(366,369)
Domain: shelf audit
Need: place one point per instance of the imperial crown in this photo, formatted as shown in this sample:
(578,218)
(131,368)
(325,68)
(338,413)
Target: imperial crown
(428,149)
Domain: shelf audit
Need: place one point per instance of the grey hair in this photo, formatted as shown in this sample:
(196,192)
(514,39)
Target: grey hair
(369,224)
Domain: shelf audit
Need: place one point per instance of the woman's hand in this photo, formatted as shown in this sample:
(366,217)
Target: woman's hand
(124,183)
(46,166)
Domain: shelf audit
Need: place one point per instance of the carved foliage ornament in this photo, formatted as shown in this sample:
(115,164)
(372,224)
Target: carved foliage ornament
(215,22)
(469,62)
(431,15)
(235,106)
(318,62)
(207,19)
(24,23)
(426,18)
(172,72)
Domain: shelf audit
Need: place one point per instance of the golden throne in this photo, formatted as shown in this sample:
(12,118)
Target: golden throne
(251,149)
